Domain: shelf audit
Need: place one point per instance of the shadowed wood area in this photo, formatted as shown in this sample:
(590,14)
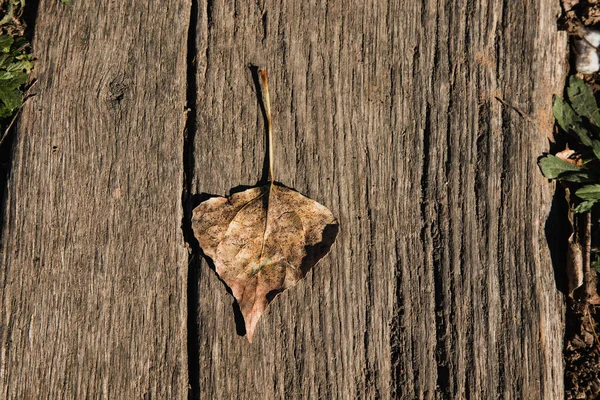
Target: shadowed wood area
(418,124)
(93,262)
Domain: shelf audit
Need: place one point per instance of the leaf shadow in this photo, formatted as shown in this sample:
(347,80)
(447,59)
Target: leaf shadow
(242,188)
(264,178)
(317,252)
(558,229)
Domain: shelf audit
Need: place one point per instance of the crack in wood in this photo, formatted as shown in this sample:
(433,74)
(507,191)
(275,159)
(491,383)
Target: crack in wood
(189,135)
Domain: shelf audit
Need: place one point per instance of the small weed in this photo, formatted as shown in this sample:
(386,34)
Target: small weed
(12,23)
(15,65)
(578,165)
(16,61)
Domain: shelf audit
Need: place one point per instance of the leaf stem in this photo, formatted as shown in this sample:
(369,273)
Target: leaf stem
(265,96)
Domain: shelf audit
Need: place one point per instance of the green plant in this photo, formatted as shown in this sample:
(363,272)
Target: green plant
(16,62)
(578,166)
(11,21)
(15,65)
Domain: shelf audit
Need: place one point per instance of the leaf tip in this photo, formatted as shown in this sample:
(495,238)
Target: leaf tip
(251,320)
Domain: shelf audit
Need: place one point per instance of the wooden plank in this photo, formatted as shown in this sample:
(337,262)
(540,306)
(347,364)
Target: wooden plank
(499,314)
(440,283)
(94,265)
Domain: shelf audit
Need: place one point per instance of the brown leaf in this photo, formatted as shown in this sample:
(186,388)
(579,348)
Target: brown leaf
(574,264)
(566,154)
(262,241)
(570,156)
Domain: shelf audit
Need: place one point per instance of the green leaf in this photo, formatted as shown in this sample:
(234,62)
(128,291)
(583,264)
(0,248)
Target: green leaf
(20,43)
(589,192)
(5,60)
(24,57)
(569,121)
(26,66)
(18,79)
(596,265)
(4,112)
(67,2)
(5,76)
(582,134)
(596,148)
(584,206)
(6,20)
(12,98)
(582,100)
(577,177)
(552,167)
(5,42)
(564,114)
(15,66)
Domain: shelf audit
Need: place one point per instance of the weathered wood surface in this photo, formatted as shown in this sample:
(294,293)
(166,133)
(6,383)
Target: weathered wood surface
(94,265)
(440,284)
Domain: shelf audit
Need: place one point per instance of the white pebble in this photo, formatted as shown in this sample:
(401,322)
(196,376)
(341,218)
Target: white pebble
(587,60)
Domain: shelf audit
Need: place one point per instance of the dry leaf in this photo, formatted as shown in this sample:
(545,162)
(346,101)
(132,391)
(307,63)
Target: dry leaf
(263,240)
(570,156)
(575,252)
(574,264)
(582,278)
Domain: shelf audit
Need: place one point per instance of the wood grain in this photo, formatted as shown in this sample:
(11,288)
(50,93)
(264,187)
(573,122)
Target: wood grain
(417,123)
(93,261)
(440,284)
